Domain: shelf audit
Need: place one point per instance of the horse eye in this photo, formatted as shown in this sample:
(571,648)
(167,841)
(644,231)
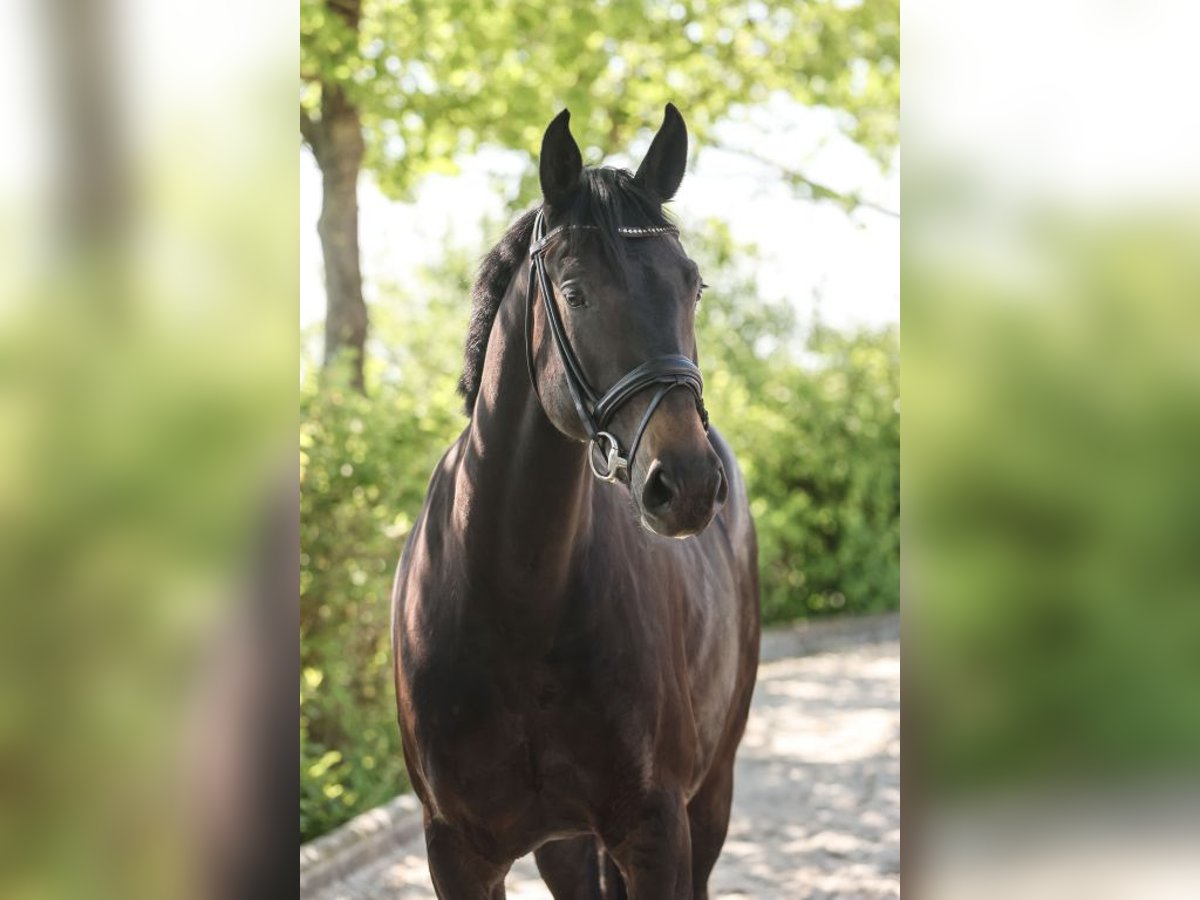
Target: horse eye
(700,291)
(573,296)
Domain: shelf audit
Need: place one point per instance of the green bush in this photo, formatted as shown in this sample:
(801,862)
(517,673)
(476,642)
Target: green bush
(364,466)
(823,471)
(812,415)
(814,418)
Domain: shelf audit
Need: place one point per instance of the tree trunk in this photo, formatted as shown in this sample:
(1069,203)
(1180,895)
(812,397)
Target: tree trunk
(337,143)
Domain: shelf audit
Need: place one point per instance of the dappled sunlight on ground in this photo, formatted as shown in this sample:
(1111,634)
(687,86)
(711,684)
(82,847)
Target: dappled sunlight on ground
(817,796)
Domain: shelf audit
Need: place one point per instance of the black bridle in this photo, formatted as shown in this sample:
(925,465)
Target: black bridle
(596,411)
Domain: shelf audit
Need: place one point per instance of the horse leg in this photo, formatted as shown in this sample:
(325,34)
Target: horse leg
(708,818)
(614,882)
(459,870)
(579,869)
(569,868)
(655,855)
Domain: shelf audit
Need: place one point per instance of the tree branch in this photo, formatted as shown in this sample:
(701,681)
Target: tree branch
(849,202)
(349,10)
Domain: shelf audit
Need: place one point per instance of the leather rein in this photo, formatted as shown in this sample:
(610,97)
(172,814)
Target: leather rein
(596,411)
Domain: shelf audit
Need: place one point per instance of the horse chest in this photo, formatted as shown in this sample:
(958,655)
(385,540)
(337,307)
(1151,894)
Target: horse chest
(528,763)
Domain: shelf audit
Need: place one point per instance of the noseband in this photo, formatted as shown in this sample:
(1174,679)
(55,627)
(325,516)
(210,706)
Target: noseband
(596,411)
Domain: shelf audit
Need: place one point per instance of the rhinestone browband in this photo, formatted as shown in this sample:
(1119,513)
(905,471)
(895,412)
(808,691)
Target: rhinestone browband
(624,231)
(639,232)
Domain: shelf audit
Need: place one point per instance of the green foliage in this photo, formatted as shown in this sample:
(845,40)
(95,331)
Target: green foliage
(432,80)
(824,478)
(364,466)
(812,415)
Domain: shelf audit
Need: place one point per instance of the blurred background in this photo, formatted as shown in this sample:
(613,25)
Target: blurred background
(420,125)
(1052,433)
(148,276)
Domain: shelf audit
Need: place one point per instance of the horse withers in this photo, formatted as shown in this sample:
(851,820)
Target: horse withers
(575,617)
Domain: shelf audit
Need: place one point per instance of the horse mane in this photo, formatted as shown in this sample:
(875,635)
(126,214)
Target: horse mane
(607,199)
(496,273)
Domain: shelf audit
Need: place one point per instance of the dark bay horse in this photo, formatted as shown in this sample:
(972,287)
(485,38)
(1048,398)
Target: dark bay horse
(575,617)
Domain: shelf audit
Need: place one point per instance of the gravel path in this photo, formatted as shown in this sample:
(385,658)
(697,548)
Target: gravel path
(816,809)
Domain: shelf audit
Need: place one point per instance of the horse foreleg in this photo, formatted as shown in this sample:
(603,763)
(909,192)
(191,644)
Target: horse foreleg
(708,817)
(458,869)
(579,869)
(655,854)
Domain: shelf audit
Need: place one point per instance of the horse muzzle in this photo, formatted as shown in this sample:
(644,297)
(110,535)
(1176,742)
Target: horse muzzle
(679,496)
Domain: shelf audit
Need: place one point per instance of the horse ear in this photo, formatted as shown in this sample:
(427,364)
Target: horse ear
(662,170)
(561,164)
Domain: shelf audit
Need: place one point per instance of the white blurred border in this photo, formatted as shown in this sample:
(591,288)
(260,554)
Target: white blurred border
(1093,102)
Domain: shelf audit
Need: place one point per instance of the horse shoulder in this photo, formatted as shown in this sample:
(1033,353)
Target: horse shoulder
(425,547)
(423,594)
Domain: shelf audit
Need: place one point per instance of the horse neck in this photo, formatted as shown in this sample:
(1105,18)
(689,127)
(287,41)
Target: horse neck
(524,489)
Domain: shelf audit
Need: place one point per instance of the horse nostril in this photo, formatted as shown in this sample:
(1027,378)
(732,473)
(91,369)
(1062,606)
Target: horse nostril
(722,486)
(659,490)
